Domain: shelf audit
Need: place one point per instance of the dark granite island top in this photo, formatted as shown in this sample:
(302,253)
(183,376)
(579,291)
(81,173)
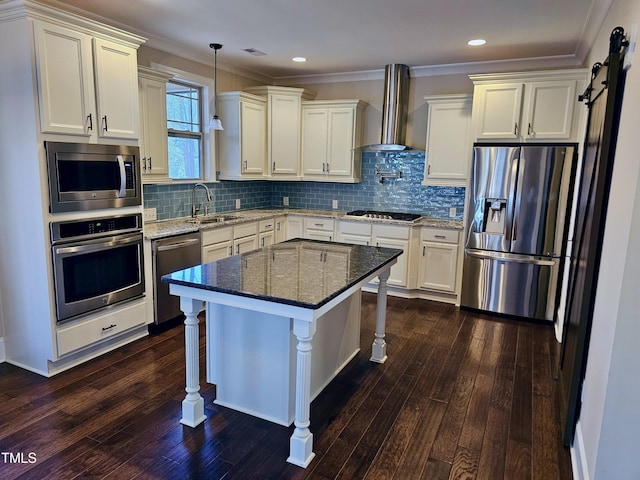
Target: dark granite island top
(304,273)
(267,311)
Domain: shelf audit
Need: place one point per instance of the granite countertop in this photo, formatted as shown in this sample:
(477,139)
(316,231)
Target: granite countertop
(304,273)
(177,226)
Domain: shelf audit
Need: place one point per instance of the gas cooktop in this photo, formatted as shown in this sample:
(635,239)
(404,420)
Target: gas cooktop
(405,217)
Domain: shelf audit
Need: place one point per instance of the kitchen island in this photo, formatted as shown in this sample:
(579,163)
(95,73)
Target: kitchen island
(267,311)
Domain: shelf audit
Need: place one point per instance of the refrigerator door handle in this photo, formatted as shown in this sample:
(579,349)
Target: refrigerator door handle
(515,259)
(512,200)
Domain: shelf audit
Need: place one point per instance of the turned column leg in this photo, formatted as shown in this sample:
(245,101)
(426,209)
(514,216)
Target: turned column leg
(193,403)
(301,442)
(379,348)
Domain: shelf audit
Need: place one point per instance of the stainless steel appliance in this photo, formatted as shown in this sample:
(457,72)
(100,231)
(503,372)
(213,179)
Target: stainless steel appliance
(516,228)
(169,255)
(86,176)
(96,263)
(405,217)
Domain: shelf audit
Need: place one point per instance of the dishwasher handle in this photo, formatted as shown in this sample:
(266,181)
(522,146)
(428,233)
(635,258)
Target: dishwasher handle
(173,246)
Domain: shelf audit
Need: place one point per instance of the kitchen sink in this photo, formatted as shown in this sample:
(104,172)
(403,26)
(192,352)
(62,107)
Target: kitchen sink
(211,219)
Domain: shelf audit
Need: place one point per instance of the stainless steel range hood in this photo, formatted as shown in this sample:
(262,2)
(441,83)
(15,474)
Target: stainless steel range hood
(394,110)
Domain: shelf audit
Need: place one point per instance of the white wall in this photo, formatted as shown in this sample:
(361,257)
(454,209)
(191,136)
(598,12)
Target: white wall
(610,418)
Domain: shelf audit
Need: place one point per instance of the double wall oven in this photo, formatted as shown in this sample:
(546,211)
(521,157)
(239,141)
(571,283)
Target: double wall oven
(97,260)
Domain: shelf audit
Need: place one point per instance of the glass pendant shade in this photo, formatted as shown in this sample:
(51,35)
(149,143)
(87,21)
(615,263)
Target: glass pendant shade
(215,123)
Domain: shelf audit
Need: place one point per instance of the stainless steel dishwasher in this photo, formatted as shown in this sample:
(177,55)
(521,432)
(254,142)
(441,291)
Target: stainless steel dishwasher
(171,254)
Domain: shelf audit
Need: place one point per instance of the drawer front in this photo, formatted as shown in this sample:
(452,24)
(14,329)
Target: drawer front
(439,235)
(327,224)
(216,235)
(391,231)
(355,228)
(266,225)
(245,229)
(100,328)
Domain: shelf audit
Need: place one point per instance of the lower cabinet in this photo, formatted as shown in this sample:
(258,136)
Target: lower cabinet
(319,229)
(280,229)
(217,244)
(394,236)
(438,260)
(356,233)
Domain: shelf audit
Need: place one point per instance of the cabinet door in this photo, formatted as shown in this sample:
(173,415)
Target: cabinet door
(294,227)
(116,74)
(245,244)
(252,137)
(341,135)
(65,81)
(318,235)
(284,131)
(549,110)
(153,117)
(280,229)
(217,251)
(399,272)
(314,141)
(438,266)
(266,239)
(448,142)
(497,110)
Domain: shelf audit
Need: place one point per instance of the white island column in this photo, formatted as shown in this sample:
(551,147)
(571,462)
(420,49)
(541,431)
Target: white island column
(301,442)
(193,403)
(379,348)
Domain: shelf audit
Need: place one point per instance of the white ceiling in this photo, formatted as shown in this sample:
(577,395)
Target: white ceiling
(338,36)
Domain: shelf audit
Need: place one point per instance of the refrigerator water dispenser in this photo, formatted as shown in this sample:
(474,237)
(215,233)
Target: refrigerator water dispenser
(494,215)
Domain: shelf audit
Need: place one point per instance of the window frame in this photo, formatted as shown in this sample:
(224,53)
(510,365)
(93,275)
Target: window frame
(209,156)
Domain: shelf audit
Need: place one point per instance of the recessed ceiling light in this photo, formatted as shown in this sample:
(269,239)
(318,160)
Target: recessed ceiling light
(299,59)
(477,42)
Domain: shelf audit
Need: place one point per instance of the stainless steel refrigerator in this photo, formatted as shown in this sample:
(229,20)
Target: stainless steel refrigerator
(517,217)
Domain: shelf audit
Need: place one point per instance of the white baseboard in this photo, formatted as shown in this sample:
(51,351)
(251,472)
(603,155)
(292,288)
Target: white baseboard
(2,354)
(578,457)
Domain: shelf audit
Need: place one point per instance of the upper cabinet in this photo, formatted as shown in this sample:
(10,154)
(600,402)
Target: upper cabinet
(243,142)
(153,121)
(87,85)
(529,106)
(449,143)
(283,129)
(331,129)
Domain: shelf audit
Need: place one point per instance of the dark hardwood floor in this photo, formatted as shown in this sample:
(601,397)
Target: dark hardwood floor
(462,396)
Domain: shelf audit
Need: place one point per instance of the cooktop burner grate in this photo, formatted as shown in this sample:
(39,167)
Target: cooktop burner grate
(406,217)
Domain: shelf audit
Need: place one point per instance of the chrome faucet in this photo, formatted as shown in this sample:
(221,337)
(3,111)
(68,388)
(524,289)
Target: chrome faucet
(195,209)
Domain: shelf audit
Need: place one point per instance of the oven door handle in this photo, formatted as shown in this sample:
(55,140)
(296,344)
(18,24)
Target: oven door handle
(97,245)
(123,176)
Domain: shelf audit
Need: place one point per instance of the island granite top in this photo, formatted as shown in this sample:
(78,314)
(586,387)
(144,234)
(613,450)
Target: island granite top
(303,273)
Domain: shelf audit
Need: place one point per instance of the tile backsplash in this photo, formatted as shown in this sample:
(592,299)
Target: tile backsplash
(404,194)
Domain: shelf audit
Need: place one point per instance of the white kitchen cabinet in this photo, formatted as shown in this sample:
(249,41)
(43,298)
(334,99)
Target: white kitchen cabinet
(529,106)
(449,144)
(294,227)
(438,260)
(331,130)
(266,232)
(87,86)
(153,121)
(319,228)
(245,237)
(243,141)
(357,233)
(394,236)
(217,244)
(280,229)
(283,129)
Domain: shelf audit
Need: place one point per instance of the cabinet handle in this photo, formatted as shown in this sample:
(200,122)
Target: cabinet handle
(428,170)
(144,164)
(319,224)
(245,165)
(230,250)
(104,119)
(238,249)
(324,165)
(274,166)
(327,167)
(330,238)
(530,130)
(278,226)
(440,236)
(90,118)
(262,242)
(113,325)
(515,128)
(150,167)
(424,250)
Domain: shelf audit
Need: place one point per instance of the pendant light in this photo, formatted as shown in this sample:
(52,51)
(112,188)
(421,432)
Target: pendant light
(215,123)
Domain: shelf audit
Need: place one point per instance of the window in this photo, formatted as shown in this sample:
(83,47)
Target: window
(184,129)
